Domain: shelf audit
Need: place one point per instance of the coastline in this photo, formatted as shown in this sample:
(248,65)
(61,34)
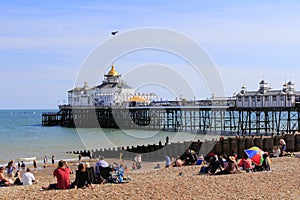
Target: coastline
(166,183)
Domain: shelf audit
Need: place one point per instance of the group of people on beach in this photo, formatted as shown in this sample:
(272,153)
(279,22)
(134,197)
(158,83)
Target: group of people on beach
(279,150)
(86,176)
(216,164)
(26,178)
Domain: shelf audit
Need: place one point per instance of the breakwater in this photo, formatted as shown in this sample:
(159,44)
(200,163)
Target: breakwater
(157,152)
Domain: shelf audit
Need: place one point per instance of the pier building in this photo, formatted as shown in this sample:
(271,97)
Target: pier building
(112,92)
(114,104)
(266,96)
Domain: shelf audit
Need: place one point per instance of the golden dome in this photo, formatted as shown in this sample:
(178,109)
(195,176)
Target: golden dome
(113,72)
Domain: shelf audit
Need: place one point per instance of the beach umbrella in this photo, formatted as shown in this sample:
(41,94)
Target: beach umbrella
(256,155)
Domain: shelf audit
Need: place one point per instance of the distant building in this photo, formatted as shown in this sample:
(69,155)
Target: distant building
(112,92)
(265,96)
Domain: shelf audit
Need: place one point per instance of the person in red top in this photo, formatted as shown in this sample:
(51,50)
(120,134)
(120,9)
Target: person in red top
(62,174)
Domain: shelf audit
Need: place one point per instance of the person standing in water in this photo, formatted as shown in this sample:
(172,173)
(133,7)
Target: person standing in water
(52,159)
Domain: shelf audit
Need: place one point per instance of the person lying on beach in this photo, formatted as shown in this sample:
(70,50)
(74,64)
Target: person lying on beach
(4,181)
(62,174)
(82,179)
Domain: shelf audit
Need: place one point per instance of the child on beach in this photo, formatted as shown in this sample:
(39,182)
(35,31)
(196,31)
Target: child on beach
(133,166)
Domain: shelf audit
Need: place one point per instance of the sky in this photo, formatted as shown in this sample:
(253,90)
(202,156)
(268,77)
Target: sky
(43,44)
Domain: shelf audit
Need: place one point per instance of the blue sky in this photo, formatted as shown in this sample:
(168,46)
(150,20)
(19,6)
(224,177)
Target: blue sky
(44,43)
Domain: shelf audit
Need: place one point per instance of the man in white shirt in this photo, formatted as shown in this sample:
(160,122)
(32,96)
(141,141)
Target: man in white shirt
(28,177)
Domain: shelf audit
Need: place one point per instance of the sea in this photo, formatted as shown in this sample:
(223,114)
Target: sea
(23,137)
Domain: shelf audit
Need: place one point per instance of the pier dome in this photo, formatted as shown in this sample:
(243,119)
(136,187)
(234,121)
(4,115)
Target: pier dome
(113,72)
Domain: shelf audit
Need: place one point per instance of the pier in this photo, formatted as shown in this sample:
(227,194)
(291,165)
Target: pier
(192,117)
(259,112)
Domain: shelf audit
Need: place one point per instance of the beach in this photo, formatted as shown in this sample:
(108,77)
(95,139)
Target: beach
(175,183)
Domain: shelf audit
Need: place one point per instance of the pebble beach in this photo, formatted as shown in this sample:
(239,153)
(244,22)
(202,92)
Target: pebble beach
(175,183)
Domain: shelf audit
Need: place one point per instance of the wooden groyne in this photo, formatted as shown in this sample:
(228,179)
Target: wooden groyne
(155,152)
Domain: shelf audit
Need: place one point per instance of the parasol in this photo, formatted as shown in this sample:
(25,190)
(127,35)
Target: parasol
(256,155)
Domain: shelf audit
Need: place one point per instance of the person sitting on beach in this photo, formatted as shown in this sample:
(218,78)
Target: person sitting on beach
(178,162)
(189,157)
(102,169)
(214,165)
(246,163)
(28,177)
(266,165)
(209,156)
(62,174)
(231,167)
(4,181)
(82,178)
(10,168)
(282,147)
(276,152)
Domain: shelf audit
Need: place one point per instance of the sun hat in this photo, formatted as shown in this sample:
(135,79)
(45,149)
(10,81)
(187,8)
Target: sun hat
(232,158)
